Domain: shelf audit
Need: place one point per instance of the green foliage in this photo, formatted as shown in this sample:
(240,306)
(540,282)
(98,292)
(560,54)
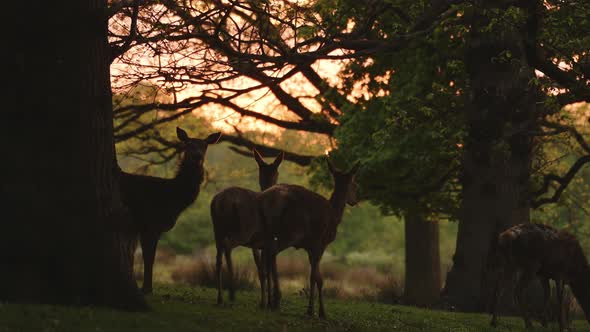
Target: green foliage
(408,132)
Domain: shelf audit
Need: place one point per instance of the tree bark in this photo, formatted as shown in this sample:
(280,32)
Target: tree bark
(423,283)
(496,164)
(67,237)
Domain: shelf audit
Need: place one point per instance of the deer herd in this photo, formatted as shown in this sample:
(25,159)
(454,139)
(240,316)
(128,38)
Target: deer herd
(283,215)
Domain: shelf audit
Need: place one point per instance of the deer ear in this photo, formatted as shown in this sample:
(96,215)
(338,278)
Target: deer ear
(330,166)
(355,168)
(258,157)
(279,159)
(182,135)
(213,138)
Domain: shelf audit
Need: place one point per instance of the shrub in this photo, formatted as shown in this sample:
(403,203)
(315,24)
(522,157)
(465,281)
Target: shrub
(200,271)
(390,290)
(292,267)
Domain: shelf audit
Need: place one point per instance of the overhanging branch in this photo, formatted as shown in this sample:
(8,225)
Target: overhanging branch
(578,90)
(117,51)
(562,181)
(302,160)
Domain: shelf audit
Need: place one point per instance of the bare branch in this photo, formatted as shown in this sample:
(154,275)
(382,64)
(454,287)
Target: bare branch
(116,51)
(572,130)
(562,181)
(302,160)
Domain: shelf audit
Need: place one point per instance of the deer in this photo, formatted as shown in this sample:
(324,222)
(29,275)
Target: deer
(297,217)
(155,203)
(236,222)
(537,250)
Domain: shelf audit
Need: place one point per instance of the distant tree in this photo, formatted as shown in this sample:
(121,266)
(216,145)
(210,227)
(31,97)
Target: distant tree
(67,238)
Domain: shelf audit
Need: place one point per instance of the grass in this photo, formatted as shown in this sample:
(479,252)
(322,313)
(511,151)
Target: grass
(342,280)
(183,308)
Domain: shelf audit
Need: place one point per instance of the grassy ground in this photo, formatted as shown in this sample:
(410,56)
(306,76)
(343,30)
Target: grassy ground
(178,308)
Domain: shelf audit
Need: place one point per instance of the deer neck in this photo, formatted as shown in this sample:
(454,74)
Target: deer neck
(338,201)
(187,180)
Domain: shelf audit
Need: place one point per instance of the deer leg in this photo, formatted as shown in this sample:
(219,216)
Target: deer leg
(230,272)
(312,283)
(560,288)
(276,287)
(268,269)
(521,286)
(149,243)
(501,281)
(320,283)
(259,261)
(218,265)
(546,298)
(268,252)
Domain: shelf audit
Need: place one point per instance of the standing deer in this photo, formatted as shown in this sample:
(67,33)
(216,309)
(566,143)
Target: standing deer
(236,222)
(297,217)
(155,203)
(541,250)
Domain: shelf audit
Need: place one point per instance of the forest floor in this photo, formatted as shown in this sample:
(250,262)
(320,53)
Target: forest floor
(182,308)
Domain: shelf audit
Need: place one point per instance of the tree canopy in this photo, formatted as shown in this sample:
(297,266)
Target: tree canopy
(404,58)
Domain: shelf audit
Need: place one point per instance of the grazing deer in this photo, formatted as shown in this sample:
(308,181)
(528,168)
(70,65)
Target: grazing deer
(296,217)
(155,203)
(236,222)
(541,250)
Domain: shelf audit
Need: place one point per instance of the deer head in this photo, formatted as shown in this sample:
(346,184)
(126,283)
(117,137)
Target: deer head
(195,148)
(345,181)
(267,173)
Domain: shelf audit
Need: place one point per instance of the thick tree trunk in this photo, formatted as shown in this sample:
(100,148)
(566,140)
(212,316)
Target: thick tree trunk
(422,285)
(67,238)
(497,152)
(493,199)
(497,155)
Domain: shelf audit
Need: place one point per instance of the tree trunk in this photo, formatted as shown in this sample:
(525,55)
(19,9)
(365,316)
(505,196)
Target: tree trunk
(67,238)
(497,152)
(422,285)
(493,199)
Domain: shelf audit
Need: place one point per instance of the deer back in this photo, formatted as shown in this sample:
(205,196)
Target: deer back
(555,254)
(295,216)
(234,213)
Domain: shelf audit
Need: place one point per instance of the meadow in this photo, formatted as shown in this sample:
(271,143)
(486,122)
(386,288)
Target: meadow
(183,308)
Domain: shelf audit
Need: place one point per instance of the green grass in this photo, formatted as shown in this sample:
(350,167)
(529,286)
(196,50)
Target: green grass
(177,308)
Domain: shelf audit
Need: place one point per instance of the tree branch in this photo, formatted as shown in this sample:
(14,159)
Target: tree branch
(239,140)
(567,79)
(562,181)
(572,130)
(117,51)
